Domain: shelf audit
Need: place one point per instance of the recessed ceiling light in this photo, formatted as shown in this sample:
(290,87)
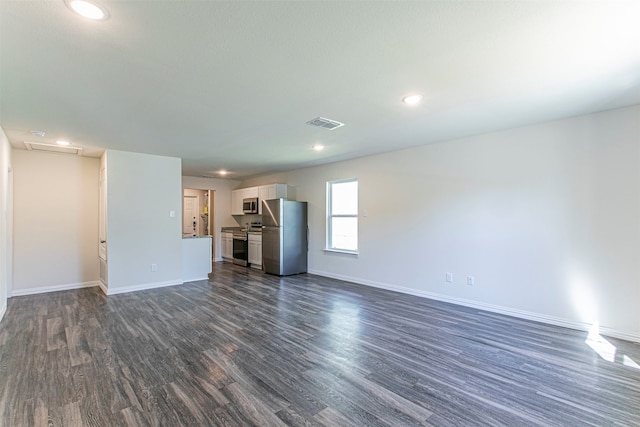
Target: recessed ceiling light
(63,143)
(222,172)
(88,9)
(412,99)
(318,147)
(38,133)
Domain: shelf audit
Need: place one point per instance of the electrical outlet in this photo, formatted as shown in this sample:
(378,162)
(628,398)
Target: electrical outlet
(469,280)
(449,277)
(154,267)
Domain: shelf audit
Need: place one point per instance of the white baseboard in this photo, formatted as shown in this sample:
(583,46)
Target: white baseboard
(54,288)
(3,310)
(197,279)
(134,288)
(218,259)
(551,320)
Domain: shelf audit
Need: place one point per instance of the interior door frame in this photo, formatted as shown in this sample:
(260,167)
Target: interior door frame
(197,213)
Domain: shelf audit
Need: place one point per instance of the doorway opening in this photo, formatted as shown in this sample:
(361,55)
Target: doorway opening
(197,214)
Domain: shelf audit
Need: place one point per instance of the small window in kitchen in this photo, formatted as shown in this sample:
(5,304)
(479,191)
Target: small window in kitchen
(342,215)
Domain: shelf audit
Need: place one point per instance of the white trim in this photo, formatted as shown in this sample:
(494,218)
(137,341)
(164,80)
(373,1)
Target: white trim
(197,279)
(9,234)
(329,225)
(218,259)
(54,288)
(103,286)
(527,315)
(3,310)
(134,288)
(341,251)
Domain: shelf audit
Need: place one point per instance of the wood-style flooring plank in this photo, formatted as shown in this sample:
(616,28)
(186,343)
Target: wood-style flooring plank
(249,349)
(55,334)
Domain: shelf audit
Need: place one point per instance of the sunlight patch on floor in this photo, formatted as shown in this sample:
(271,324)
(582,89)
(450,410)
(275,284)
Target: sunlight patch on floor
(606,350)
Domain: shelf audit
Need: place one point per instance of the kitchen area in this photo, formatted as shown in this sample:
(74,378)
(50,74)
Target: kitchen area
(272,231)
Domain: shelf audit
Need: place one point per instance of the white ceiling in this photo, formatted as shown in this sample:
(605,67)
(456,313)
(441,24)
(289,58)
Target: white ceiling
(230,84)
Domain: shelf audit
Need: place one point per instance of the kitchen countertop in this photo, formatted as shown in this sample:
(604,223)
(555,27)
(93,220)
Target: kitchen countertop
(197,237)
(232,229)
(229,229)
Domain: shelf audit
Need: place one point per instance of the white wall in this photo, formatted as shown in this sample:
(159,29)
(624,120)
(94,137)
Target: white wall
(221,204)
(546,218)
(5,221)
(55,221)
(196,258)
(142,190)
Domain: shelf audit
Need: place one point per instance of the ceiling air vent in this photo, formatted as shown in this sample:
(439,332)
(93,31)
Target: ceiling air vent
(52,148)
(325,123)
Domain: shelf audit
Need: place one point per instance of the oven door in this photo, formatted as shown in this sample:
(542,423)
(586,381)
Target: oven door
(240,250)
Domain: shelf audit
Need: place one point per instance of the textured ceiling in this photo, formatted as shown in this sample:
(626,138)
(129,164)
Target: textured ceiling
(231,84)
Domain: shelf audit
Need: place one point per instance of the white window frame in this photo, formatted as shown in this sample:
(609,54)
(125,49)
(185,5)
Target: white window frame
(329,244)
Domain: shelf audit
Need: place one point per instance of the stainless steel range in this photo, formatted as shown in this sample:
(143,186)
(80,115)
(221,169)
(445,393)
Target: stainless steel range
(240,248)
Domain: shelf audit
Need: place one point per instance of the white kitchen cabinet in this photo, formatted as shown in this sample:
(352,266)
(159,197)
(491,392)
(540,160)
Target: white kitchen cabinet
(255,250)
(264,192)
(268,192)
(237,196)
(236,202)
(227,245)
(250,193)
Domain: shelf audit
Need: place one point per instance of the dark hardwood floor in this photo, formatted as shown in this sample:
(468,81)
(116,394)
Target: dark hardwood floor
(247,348)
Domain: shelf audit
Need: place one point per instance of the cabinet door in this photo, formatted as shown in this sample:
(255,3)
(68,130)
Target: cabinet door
(255,253)
(236,202)
(272,191)
(252,252)
(255,249)
(251,192)
(230,247)
(280,191)
(227,246)
(259,252)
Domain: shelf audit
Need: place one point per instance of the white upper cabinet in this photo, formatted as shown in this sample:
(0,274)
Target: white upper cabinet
(236,202)
(264,192)
(251,192)
(268,192)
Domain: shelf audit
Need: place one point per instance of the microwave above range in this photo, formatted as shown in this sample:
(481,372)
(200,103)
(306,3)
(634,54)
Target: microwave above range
(250,205)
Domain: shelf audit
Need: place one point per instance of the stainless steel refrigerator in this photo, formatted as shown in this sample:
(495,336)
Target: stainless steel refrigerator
(284,237)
